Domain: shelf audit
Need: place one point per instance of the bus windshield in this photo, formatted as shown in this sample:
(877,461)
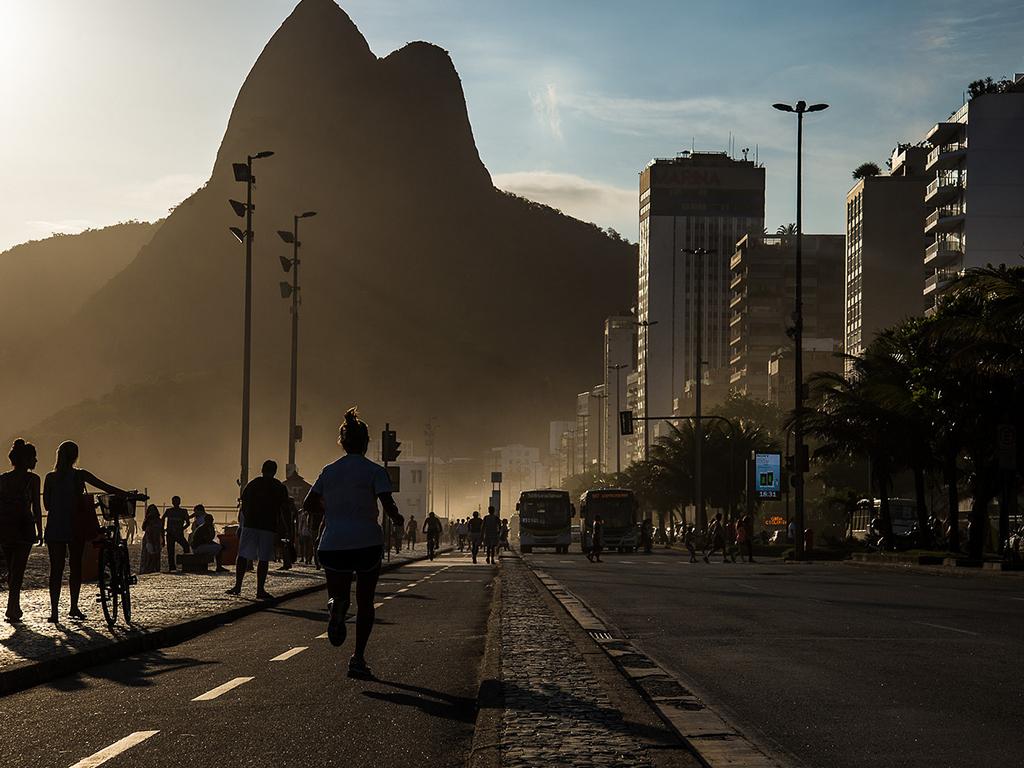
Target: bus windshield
(617,510)
(551,512)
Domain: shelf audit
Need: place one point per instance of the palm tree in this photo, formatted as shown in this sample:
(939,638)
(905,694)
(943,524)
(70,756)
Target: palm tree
(866,170)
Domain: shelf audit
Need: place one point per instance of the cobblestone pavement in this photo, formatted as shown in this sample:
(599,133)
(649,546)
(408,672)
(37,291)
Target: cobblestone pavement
(555,710)
(159,600)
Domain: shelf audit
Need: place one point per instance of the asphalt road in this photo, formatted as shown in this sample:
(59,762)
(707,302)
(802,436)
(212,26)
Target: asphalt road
(834,664)
(291,703)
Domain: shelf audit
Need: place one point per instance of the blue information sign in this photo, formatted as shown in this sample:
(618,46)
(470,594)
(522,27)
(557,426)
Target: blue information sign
(768,475)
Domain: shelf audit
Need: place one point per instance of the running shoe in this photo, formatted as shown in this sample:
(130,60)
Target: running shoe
(336,629)
(359,668)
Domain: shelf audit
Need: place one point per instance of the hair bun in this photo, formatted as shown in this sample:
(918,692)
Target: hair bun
(19,443)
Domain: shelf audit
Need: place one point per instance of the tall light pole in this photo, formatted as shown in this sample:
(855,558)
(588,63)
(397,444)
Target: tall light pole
(800,108)
(600,429)
(646,325)
(698,350)
(618,407)
(292,291)
(243,173)
(429,432)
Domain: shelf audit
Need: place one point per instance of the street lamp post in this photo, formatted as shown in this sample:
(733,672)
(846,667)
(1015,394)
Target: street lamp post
(600,430)
(698,348)
(243,173)
(618,407)
(292,291)
(646,325)
(800,108)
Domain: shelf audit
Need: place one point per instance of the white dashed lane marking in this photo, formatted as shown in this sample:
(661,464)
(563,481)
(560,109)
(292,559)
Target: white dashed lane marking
(948,629)
(289,653)
(220,690)
(115,749)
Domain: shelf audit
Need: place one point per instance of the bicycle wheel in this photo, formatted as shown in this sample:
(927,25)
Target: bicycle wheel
(126,582)
(110,584)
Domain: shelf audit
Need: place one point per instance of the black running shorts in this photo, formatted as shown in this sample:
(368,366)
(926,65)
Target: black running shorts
(348,560)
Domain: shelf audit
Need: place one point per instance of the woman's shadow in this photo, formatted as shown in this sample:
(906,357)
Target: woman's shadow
(434,703)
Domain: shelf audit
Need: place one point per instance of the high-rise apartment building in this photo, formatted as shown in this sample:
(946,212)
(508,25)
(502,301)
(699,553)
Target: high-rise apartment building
(884,219)
(619,363)
(975,199)
(703,200)
(763,285)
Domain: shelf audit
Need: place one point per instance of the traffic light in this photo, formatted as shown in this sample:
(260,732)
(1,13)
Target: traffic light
(625,423)
(389,445)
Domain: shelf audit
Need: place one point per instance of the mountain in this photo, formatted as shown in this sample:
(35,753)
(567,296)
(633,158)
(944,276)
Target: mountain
(43,283)
(426,291)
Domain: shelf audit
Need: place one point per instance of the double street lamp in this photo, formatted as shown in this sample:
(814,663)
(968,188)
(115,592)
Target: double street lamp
(799,454)
(292,291)
(243,174)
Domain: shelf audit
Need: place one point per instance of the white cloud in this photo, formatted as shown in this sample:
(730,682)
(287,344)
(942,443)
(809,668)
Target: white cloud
(545,106)
(603,204)
(707,119)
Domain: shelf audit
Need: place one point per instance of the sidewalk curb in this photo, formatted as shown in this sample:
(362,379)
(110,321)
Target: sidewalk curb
(707,734)
(937,570)
(31,673)
(485,751)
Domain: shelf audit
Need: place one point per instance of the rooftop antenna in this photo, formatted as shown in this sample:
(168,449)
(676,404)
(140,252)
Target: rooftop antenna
(745,151)
(755,154)
(693,144)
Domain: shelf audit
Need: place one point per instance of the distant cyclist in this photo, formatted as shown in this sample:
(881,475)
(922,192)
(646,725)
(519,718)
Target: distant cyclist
(491,532)
(433,529)
(352,542)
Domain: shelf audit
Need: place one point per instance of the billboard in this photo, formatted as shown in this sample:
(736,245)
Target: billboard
(768,475)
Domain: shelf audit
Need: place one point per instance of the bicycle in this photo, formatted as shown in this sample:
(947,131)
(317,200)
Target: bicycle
(432,542)
(115,567)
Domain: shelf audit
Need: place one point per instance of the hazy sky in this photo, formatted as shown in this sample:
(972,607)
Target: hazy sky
(114,109)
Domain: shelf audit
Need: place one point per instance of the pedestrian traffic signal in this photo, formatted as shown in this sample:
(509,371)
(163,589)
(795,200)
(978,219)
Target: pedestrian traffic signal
(389,445)
(625,423)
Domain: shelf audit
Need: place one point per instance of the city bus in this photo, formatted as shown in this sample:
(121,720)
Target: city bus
(903,513)
(545,520)
(619,511)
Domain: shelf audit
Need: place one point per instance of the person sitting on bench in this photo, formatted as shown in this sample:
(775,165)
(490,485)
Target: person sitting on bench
(204,536)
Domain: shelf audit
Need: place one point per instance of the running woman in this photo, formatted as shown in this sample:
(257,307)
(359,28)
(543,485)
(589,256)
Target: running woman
(352,542)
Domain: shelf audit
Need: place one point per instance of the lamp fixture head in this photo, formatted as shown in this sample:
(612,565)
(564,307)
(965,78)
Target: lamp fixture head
(238,233)
(285,235)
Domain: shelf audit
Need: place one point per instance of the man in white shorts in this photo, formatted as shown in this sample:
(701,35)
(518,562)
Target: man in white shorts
(264,499)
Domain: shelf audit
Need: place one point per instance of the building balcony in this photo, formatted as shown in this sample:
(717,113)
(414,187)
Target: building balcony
(943,252)
(945,133)
(944,219)
(938,282)
(736,300)
(735,358)
(735,341)
(946,157)
(735,319)
(942,191)
(735,281)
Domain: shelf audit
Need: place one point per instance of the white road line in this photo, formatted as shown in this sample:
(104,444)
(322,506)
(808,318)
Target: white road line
(749,587)
(322,637)
(220,690)
(403,589)
(289,653)
(1017,598)
(389,597)
(114,749)
(411,585)
(948,629)
(377,605)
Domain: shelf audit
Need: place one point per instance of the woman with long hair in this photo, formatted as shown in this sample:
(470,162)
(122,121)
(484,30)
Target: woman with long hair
(352,542)
(63,497)
(21,520)
(152,540)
